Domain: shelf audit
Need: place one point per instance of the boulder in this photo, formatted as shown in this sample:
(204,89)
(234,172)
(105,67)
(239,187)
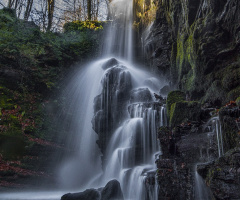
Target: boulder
(86,195)
(141,95)
(110,63)
(112,191)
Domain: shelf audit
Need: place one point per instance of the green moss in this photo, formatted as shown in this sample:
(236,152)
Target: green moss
(173,97)
(184,111)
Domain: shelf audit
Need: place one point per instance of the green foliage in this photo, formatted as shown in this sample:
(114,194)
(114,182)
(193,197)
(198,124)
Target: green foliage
(24,42)
(35,62)
(145,13)
(173,97)
(83,26)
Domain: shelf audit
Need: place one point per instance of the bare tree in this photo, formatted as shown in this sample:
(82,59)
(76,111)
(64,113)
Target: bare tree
(28,9)
(89,9)
(10,3)
(50,13)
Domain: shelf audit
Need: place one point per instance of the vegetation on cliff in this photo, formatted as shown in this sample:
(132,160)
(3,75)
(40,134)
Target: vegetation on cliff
(32,64)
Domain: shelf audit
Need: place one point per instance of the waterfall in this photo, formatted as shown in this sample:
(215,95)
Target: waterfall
(115,99)
(111,117)
(119,39)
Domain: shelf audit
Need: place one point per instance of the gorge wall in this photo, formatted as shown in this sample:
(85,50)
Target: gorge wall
(196,44)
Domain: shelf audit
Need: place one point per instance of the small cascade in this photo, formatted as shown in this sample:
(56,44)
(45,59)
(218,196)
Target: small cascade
(214,130)
(213,150)
(147,47)
(201,191)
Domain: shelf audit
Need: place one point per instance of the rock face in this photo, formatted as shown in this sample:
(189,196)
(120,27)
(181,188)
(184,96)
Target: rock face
(112,191)
(188,145)
(197,43)
(223,175)
(109,105)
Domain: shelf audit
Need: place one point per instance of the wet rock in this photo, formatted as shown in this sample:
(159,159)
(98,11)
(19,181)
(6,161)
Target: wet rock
(223,175)
(229,118)
(141,95)
(165,90)
(109,106)
(110,63)
(174,179)
(196,45)
(86,195)
(184,111)
(173,97)
(112,191)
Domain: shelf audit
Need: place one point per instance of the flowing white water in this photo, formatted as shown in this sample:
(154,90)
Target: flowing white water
(214,131)
(119,40)
(201,192)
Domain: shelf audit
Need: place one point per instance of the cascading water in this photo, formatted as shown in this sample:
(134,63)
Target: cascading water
(119,39)
(119,104)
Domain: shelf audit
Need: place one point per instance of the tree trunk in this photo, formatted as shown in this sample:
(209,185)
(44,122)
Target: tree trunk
(50,13)
(89,8)
(10,3)
(28,9)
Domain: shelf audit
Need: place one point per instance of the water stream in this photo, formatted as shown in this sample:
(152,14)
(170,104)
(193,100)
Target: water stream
(213,130)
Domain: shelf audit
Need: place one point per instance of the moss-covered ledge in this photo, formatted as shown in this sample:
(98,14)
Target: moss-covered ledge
(184,111)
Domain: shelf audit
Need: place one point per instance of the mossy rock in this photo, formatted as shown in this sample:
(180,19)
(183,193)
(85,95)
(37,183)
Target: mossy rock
(238,101)
(184,111)
(231,137)
(173,97)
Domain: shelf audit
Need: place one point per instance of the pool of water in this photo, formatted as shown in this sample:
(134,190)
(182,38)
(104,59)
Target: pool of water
(32,195)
